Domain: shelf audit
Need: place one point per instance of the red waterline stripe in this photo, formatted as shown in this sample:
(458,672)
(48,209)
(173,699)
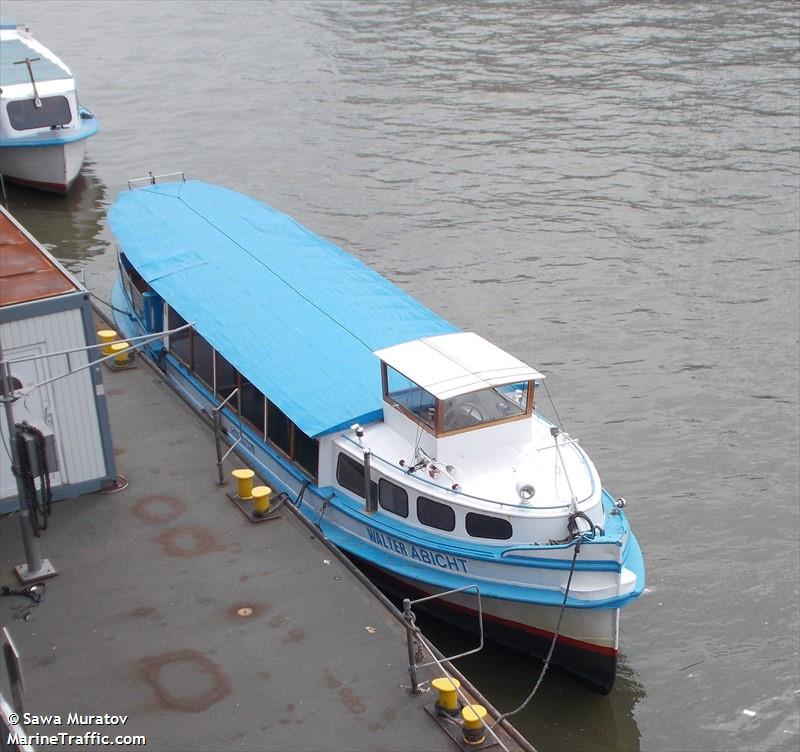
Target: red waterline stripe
(580,644)
(54,187)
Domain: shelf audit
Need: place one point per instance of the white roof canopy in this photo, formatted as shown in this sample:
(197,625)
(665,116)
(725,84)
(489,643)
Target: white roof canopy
(451,364)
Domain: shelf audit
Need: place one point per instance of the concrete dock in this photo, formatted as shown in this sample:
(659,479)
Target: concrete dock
(204,630)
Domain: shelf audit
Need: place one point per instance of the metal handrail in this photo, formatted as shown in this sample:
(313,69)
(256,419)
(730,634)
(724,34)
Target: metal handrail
(151,179)
(215,414)
(412,630)
(477,590)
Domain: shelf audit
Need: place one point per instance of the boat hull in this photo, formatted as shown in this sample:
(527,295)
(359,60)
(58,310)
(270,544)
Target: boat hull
(50,168)
(588,639)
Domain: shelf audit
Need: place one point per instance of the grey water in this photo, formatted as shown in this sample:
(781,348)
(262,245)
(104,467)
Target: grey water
(608,190)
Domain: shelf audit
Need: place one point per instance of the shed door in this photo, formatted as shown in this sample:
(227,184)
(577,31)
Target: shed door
(35,407)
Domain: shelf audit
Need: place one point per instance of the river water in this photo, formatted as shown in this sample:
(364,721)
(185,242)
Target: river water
(607,190)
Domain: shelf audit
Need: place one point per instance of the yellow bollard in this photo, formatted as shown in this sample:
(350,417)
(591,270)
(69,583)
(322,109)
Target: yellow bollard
(120,351)
(261,496)
(244,479)
(472,729)
(106,336)
(448,694)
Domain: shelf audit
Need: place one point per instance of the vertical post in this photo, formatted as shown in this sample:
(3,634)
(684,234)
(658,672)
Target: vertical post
(408,616)
(372,503)
(218,444)
(35,568)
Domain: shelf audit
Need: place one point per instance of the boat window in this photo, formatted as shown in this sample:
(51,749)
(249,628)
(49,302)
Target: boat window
(23,114)
(137,280)
(226,377)
(404,392)
(202,359)
(434,514)
(279,429)
(306,452)
(483,526)
(134,285)
(485,406)
(252,402)
(393,498)
(350,475)
(180,344)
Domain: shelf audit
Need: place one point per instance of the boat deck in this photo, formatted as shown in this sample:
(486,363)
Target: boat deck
(208,631)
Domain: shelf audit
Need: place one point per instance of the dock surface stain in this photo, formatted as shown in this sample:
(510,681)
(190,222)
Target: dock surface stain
(158,510)
(186,680)
(186,542)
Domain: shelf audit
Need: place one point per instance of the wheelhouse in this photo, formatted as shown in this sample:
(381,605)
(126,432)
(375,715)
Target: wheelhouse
(455,383)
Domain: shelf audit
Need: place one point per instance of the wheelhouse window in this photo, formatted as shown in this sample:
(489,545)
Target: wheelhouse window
(411,397)
(24,115)
(491,405)
(484,526)
(434,514)
(350,475)
(393,498)
(180,343)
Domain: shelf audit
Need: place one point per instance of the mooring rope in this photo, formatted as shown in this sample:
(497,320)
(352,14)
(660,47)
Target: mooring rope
(578,542)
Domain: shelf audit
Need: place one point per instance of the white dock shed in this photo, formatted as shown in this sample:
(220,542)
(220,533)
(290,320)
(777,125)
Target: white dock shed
(44,310)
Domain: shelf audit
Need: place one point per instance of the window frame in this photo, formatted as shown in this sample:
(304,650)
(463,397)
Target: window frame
(471,515)
(19,107)
(410,414)
(439,504)
(353,463)
(387,482)
(440,432)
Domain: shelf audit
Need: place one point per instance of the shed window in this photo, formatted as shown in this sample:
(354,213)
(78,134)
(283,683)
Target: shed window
(434,514)
(393,498)
(279,429)
(350,475)
(180,343)
(483,526)
(24,115)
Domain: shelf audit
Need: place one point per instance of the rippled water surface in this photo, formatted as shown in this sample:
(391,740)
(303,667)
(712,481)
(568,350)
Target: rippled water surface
(607,190)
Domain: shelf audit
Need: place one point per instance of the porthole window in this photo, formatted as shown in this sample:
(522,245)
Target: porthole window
(393,498)
(484,526)
(434,514)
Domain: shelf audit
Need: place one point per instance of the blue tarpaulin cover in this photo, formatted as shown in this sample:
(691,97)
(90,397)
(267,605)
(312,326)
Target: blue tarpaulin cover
(294,313)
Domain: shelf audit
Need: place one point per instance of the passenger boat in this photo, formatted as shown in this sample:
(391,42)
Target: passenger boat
(414,446)
(43,129)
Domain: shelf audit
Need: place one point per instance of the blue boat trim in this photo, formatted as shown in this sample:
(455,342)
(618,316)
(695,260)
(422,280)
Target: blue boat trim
(383,525)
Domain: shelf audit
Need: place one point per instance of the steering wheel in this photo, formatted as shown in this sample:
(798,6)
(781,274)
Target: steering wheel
(472,411)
